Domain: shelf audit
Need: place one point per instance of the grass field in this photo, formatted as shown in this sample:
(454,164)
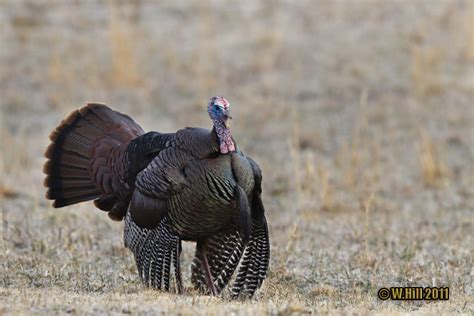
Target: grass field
(360,113)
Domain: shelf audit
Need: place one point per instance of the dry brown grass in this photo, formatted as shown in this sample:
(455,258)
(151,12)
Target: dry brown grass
(434,171)
(426,70)
(360,116)
(123,39)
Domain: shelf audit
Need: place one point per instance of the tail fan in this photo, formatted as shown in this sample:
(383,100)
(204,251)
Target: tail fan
(81,154)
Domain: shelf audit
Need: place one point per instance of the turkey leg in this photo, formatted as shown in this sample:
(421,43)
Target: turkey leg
(205,265)
(177,267)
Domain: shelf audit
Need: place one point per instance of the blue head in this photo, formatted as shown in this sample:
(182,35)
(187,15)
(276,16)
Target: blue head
(219,110)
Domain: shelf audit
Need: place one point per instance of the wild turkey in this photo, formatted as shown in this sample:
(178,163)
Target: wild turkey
(192,185)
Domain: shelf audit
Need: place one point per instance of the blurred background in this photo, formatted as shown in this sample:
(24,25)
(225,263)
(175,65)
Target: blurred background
(360,114)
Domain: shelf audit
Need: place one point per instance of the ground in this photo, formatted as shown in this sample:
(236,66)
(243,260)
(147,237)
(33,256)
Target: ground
(360,114)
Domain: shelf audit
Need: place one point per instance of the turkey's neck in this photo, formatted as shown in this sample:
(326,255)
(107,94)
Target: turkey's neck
(226,144)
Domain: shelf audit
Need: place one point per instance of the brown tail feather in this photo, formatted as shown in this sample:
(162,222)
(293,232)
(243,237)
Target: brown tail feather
(71,192)
(70,201)
(66,171)
(70,182)
(69,159)
(75,155)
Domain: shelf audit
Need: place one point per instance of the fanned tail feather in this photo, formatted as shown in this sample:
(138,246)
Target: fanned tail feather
(71,176)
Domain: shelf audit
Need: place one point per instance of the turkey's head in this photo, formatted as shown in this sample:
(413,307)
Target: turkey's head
(219,112)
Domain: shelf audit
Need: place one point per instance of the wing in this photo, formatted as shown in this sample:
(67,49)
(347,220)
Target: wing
(122,166)
(156,251)
(254,264)
(163,177)
(223,250)
(256,257)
